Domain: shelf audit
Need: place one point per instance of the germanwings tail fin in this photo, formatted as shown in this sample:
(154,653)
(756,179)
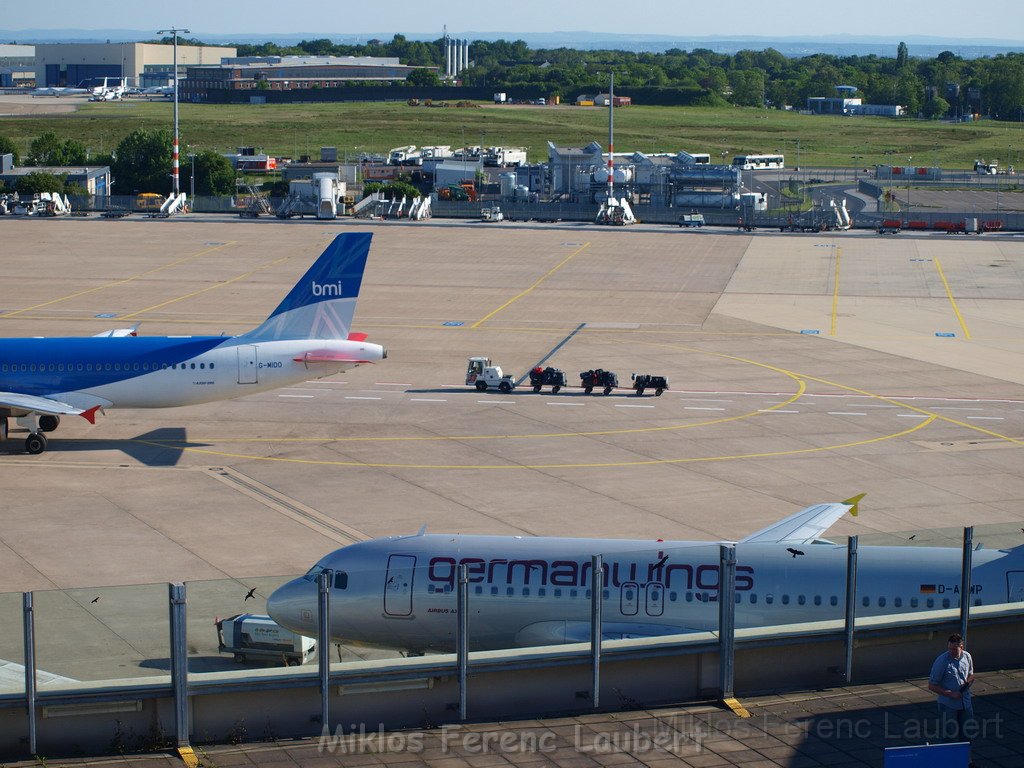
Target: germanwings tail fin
(322,303)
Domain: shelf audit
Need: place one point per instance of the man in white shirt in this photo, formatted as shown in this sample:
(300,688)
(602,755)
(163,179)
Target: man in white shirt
(951,678)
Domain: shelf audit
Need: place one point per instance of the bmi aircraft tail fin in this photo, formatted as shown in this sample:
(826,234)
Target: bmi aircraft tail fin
(322,303)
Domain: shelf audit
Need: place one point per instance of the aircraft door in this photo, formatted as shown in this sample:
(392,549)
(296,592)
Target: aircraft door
(247,364)
(629,598)
(655,599)
(1015,586)
(398,585)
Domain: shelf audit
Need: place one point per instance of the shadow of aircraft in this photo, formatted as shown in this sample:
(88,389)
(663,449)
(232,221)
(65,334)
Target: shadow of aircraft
(158,448)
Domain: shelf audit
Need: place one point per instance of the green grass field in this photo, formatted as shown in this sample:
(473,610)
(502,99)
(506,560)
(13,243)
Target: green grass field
(301,129)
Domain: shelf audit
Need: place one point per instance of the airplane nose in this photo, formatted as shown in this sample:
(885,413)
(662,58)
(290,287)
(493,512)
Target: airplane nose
(293,606)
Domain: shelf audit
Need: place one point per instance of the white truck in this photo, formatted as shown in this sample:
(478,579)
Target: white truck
(252,635)
(492,214)
(481,374)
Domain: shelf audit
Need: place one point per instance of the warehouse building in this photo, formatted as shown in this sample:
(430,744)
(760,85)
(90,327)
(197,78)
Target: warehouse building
(287,73)
(95,179)
(144,64)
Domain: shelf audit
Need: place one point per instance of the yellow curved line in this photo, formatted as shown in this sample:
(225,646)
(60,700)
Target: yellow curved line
(949,294)
(645,462)
(540,280)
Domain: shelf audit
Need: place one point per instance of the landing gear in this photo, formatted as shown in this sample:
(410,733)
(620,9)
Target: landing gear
(48,422)
(35,443)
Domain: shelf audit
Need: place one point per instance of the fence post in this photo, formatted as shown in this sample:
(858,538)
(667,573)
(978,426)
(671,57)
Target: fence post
(323,643)
(462,640)
(596,604)
(851,603)
(726,619)
(965,581)
(29,626)
(179,662)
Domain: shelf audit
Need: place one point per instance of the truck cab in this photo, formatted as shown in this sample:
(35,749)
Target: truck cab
(481,374)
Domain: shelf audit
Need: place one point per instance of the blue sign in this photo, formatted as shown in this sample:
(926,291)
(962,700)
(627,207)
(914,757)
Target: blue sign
(107,314)
(453,323)
(929,756)
(810,332)
(945,335)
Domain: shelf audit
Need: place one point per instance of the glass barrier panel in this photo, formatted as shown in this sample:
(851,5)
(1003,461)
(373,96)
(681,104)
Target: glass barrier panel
(103,633)
(12,645)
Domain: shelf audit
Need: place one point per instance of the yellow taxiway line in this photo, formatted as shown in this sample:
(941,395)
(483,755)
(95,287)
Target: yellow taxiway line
(949,294)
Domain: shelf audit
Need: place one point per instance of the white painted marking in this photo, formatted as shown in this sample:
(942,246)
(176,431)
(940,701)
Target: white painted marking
(986,418)
(356,397)
(498,402)
(954,408)
(698,408)
(377,391)
(302,389)
(317,381)
(912,415)
(389,384)
(576,404)
(427,400)
(845,413)
(869,405)
(774,410)
(624,405)
(309,396)
(705,400)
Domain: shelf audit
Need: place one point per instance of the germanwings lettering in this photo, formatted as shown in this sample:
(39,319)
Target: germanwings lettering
(572,573)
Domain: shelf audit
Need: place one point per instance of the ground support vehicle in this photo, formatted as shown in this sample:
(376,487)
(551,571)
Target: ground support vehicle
(598,379)
(250,635)
(890,226)
(691,220)
(553,377)
(482,375)
(645,381)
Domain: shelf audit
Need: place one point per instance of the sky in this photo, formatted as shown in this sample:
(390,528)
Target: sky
(948,19)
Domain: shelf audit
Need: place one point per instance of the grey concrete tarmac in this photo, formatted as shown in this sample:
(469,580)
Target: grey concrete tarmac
(761,420)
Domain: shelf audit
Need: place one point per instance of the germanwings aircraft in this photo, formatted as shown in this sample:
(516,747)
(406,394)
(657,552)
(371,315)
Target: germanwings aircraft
(307,336)
(400,592)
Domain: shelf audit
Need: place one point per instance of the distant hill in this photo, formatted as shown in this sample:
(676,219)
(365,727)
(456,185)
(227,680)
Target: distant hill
(838,45)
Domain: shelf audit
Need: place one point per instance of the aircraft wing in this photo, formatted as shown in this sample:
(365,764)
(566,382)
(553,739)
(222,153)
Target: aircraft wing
(35,404)
(117,333)
(327,356)
(806,526)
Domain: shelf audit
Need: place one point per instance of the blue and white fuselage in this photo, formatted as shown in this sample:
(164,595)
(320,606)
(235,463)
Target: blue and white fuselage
(307,336)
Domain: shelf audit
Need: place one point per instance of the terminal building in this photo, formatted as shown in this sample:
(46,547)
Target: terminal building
(286,73)
(144,64)
(846,103)
(17,66)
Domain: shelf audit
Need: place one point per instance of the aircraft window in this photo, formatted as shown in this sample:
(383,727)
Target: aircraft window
(341,580)
(542,591)
(881,602)
(739,598)
(447,587)
(313,572)
(558,593)
(211,366)
(573,592)
(135,366)
(897,602)
(107,367)
(202,365)
(977,601)
(24,368)
(913,602)
(817,599)
(785,599)
(586,593)
(945,602)
(494,590)
(32,367)
(510,591)
(689,597)
(769,599)
(479,589)
(526,591)
(833,600)
(117,366)
(60,367)
(866,602)
(79,366)
(163,366)
(672,597)
(930,602)
(192,366)
(145,366)
(605,594)
(800,600)
(3,367)
(753,598)
(52,367)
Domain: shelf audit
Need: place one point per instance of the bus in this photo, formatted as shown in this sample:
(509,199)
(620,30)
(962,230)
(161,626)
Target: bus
(757,162)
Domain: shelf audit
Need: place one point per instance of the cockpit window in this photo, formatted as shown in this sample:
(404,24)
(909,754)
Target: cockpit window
(340,580)
(313,572)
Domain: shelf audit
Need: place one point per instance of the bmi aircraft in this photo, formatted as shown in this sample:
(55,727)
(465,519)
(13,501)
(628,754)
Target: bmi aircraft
(308,335)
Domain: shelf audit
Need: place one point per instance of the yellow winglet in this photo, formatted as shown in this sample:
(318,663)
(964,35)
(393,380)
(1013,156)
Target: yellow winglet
(853,502)
(188,757)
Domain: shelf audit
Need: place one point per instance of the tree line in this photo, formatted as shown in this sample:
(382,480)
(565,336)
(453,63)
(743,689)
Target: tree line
(993,86)
(141,162)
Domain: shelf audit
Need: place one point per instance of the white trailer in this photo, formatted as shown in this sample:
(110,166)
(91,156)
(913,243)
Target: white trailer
(253,635)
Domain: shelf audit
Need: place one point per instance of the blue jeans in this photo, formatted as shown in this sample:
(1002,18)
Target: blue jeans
(952,721)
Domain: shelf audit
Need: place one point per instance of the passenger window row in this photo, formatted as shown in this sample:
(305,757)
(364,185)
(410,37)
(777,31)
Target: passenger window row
(97,367)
